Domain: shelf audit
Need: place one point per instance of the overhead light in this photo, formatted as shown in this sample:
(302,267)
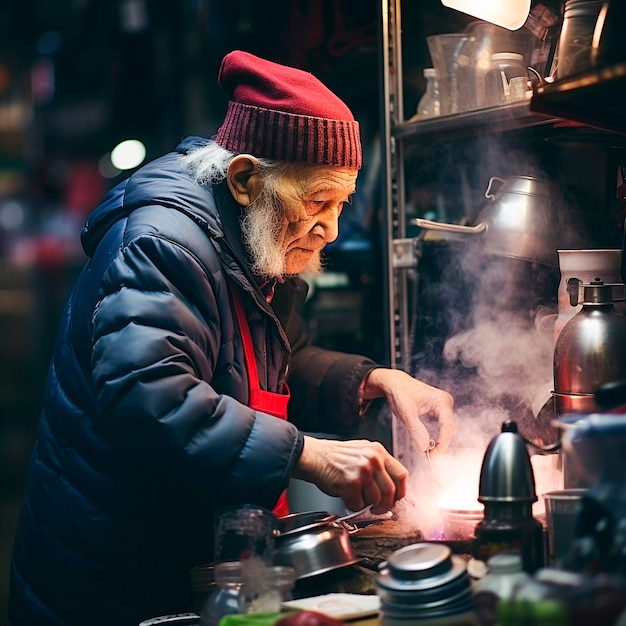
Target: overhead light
(509,14)
(128,154)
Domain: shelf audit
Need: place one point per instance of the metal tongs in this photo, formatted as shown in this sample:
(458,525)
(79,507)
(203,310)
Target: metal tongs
(432,443)
(354,524)
(343,518)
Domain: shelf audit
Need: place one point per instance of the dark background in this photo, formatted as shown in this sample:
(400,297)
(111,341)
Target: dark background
(77,77)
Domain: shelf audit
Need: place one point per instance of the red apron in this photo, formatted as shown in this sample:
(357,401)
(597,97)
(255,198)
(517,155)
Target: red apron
(265,401)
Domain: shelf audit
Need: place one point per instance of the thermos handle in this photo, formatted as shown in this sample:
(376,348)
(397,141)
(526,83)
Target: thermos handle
(574,285)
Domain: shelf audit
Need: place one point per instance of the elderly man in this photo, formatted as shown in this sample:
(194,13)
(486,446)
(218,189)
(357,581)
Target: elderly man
(180,357)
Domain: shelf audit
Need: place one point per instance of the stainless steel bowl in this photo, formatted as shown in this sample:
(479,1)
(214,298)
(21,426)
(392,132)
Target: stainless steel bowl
(315,548)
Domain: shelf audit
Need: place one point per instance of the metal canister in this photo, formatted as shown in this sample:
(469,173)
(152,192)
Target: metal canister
(575,42)
(589,353)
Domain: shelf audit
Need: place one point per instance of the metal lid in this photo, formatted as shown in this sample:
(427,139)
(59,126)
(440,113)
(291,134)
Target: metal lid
(420,560)
(596,292)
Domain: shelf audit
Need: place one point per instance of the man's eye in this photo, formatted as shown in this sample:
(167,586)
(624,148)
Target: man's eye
(315,206)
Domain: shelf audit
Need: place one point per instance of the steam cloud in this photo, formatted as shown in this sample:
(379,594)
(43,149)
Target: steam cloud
(504,354)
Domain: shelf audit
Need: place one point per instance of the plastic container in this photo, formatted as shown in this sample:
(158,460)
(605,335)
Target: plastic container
(444,52)
(429,104)
(505,70)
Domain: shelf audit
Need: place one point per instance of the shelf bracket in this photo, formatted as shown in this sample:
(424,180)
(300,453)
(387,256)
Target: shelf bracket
(404,253)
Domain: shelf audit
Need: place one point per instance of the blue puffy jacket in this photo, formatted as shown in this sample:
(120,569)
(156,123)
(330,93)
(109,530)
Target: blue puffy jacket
(145,429)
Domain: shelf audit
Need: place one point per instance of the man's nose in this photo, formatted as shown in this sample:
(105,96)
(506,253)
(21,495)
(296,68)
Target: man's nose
(328,224)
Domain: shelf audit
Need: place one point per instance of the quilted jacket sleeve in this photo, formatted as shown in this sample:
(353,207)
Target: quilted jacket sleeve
(324,383)
(162,338)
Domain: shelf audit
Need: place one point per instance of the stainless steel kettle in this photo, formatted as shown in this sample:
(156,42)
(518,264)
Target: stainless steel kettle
(524,218)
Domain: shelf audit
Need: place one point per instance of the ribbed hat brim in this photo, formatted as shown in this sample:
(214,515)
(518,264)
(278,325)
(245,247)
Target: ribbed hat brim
(283,136)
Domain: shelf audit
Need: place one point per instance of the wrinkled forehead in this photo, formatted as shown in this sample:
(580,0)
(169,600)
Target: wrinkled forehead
(309,179)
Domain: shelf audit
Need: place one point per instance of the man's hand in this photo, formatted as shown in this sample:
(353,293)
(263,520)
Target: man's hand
(409,400)
(360,472)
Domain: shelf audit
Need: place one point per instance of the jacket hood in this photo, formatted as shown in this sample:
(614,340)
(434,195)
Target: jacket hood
(164,181)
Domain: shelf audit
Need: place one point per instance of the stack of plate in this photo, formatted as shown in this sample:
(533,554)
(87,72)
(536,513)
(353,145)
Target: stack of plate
(425,582)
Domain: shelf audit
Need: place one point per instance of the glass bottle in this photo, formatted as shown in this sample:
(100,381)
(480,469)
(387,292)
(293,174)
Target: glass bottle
(429,105)
(225,599)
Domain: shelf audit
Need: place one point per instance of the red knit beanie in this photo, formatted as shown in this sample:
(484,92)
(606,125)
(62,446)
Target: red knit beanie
(279,112)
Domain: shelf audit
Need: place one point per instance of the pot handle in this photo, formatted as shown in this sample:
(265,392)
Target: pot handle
(450,228)
(488,194)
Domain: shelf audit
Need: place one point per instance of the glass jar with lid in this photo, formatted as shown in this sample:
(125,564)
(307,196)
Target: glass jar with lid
(506,74)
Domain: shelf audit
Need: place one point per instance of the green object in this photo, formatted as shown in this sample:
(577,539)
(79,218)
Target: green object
(251,619)
(532,613)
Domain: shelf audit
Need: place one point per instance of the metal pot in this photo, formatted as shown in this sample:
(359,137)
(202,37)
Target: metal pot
(320,543)
(525,219)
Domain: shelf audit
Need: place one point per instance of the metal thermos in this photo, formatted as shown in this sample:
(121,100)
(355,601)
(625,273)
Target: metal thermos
(507,491)
(590,350)
(589,353)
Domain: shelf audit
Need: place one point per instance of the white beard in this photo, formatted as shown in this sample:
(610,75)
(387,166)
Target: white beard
(260,227)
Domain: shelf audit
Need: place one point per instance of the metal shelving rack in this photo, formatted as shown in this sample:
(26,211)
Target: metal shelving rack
(577,100)
(401,252)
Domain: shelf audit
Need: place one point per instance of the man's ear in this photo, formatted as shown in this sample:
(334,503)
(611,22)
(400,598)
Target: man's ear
(243,179)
